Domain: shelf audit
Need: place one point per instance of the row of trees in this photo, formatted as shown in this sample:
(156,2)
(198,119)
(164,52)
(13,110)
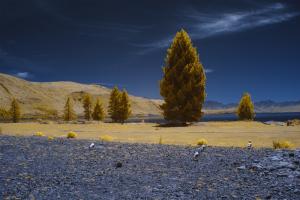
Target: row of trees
(90,112)
(118,109)
(183,84)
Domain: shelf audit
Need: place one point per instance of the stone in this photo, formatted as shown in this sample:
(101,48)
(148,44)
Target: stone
(242,167)
(284,164)
(119,165)
(256,166)
(282,174)
(196,154)
(275,158)
(291,154)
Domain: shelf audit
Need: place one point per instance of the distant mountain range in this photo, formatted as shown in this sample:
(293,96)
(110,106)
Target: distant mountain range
(260,106)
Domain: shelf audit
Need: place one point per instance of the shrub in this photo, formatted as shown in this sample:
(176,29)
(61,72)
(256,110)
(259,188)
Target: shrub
(71,134)
(39,134)
(50,138)
(282,145)
(0,131)
(106,138)
(202,142)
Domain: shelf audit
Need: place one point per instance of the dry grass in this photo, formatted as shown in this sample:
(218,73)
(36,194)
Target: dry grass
(106,138)
(282,145)
(217,133)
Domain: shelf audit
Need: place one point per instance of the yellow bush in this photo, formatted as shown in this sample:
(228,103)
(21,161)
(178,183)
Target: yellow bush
(202,142)
(39,134)
(50,138)
(282,145)
(71,134)
(0,130)
(106,138)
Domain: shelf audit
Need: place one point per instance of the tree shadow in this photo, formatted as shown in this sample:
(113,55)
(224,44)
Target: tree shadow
(161,125)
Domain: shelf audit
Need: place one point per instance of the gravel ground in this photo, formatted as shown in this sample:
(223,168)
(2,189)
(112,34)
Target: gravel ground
(35,168)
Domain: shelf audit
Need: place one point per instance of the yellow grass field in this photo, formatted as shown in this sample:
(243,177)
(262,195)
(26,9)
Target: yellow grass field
(216,133)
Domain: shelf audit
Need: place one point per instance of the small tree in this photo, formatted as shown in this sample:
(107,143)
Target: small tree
(114,105)
(87,106)
(245,110)
(4,114)
(15,111)
(69,113)
(98,113)
(124,107)
(183,82)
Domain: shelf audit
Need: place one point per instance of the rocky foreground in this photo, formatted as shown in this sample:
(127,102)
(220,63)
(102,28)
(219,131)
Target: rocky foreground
(36,168)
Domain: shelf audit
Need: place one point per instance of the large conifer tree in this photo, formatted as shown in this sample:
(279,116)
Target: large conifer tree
(69,113)
(125,110)
(15,111)
(98,113)
(114,105)
(183,83)
(87,106)
(245,110)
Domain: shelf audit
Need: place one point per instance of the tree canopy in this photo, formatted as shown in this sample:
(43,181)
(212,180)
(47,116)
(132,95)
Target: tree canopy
(183,82)
(245,110)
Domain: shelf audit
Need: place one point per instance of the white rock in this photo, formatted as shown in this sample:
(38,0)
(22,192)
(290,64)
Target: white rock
(243,167)
(92,145)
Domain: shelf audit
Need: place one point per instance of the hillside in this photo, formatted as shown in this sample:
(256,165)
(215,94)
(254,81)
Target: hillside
(41,98)
(44,98)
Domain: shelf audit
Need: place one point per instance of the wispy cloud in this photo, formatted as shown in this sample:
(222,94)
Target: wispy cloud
(207,71)
(23,75)
(203,25)
(207,25)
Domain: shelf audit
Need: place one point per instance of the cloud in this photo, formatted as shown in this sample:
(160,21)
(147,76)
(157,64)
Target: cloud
(207,25)
(207,71)
(203,25)
(23,74)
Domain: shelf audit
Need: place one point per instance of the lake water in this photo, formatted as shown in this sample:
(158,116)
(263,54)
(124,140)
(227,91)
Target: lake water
(263,117)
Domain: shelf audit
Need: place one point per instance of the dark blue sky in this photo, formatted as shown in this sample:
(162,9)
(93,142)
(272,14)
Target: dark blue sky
(244,45)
